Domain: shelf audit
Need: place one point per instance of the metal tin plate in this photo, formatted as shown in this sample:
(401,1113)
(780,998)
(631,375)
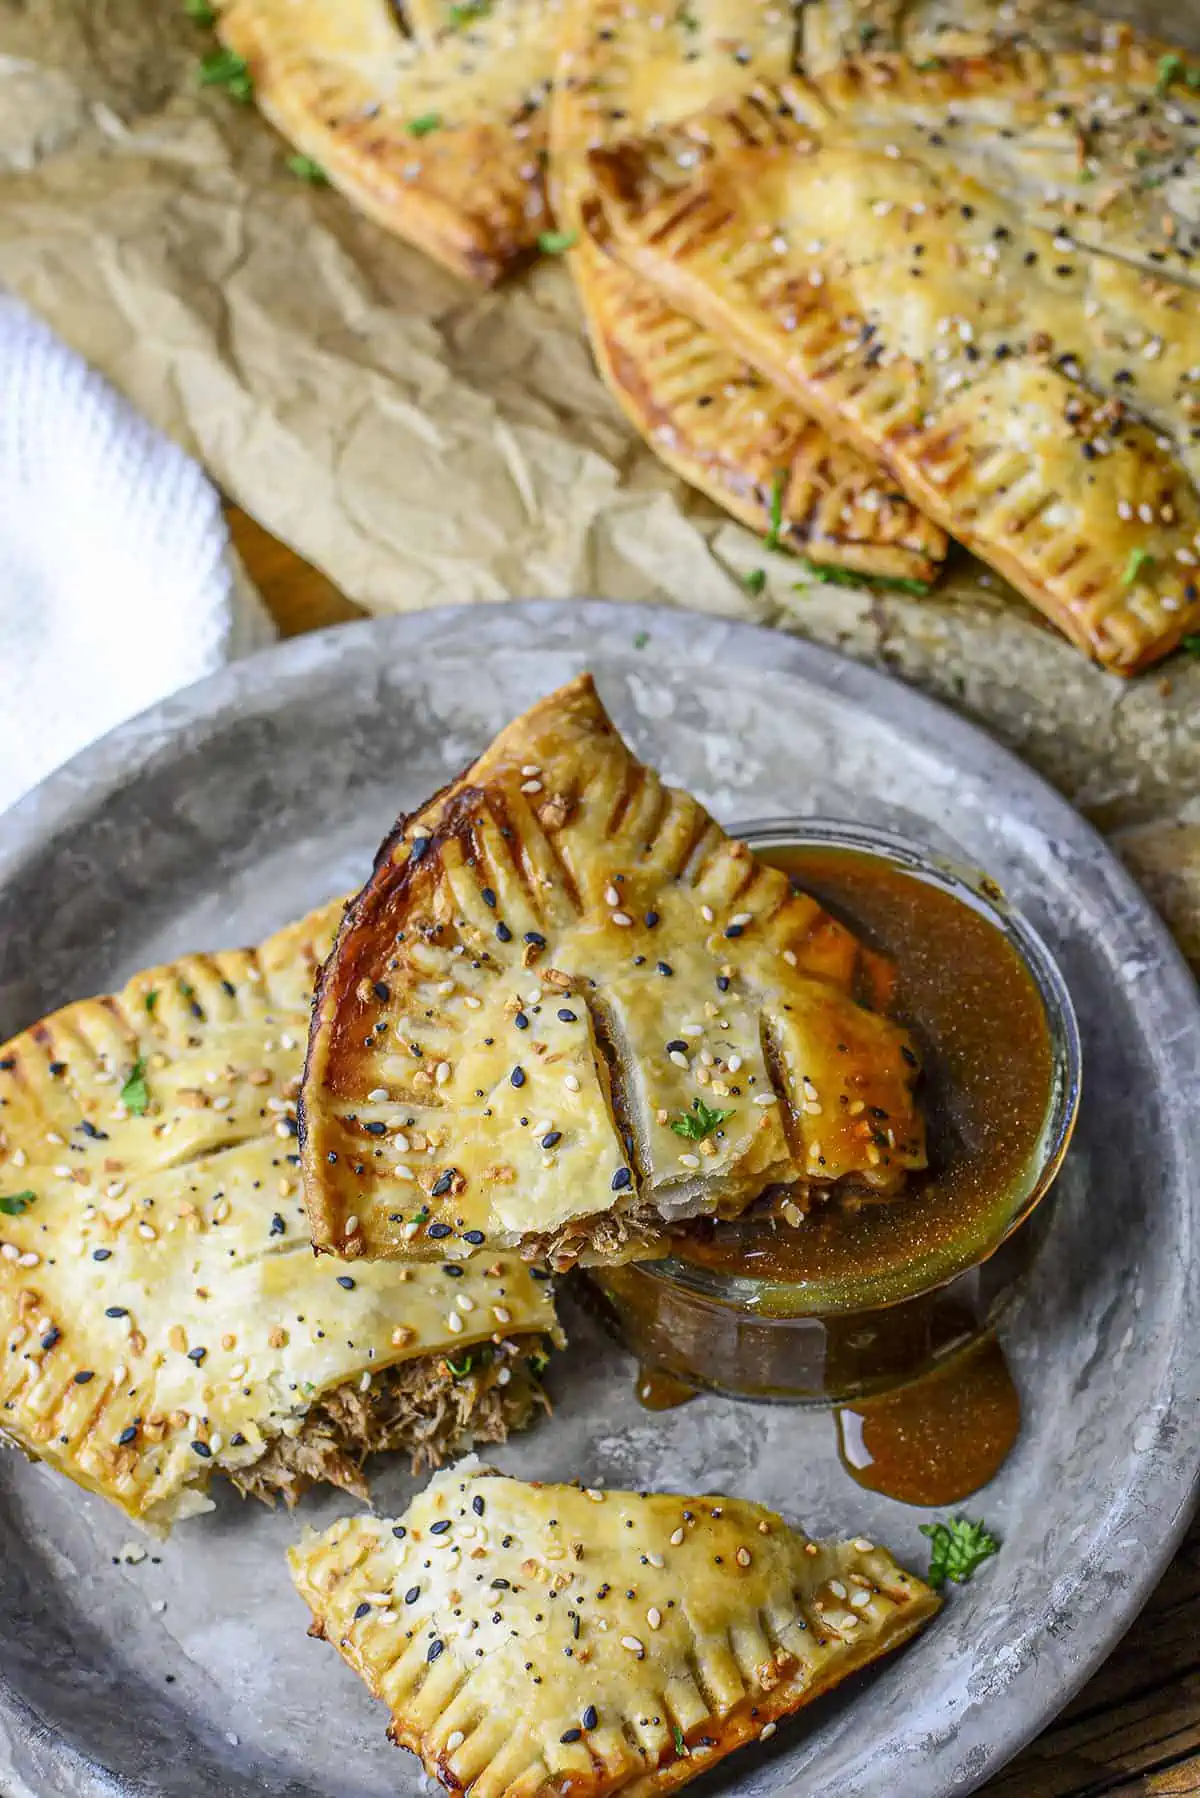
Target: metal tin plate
(184,1669)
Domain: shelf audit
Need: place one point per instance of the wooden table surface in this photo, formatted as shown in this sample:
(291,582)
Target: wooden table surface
(1134,1730)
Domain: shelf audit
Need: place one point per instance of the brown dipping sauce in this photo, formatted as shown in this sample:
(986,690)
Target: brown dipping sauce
(980,1025)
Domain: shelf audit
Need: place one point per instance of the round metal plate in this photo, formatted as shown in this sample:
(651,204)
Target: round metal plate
(184,1669)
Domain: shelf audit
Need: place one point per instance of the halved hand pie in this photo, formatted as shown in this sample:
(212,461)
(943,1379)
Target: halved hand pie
(539,1639)
(163,1312)
(567,1009)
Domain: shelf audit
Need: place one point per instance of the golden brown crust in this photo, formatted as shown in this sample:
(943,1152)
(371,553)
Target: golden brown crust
(162,1311)
(611,1641)
(710,417)
(1036,400)
(554,964)
(440,138)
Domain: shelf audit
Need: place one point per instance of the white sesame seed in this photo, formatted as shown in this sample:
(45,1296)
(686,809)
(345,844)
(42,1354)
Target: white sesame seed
(454,1324)
(114,1189)
(742,1557)
(860,1599)
(441,1073)
(767,1731)
(531,786)
(814,1151)
(654,1617)
(690,1160)
(611,896)
(11,1252)
(147,1231)
(504,1376)
(706,912)
(863,1546)
(676,1537)
(634,1646)
(377,1093)
(691,1029)
(465,1302)
(764,1099)
(741,919)
(571,1082)
(622,918)
(351,1225)
(789,955)
(28,1259)
(501,1314)
(471,1001)
(596,1497)
(678,1057)
(733,1063)
(402,1172)
(454,1740)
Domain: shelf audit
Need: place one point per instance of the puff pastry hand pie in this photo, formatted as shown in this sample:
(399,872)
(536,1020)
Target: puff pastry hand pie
(163,1313)
(438,133)
(1038,399)
(567,1007)
(718,424)
(534,1640)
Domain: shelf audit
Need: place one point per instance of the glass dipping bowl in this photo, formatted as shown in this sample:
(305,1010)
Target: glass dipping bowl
(828,1340)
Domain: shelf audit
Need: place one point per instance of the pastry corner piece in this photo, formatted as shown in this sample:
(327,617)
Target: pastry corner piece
(567,1012)
(163,1314)
(537,1638)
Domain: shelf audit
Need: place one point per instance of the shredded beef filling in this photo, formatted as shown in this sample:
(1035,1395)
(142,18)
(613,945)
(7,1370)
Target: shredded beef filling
(637,1232)
(432,1407)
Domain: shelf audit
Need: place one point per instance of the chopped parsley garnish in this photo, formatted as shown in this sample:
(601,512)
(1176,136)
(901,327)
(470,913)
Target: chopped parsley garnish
(151,999)
(539,1362)
(135,1094)
(468,12)
(699,1122)
(687,19)
(680,1744)
(1170,68)
(17,1202)
(460,1373)
(1191,645)
(307,168)
(929,63)
(225,68)
(1138,559)
(420,1216)
(421,127)
(867,33)
(847,577)
(755,581)
(556,243)
(776,512)
(641,639)
(199,12)
(958,1548)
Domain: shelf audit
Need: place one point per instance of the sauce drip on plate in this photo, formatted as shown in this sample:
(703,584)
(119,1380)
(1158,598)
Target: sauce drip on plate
(938,1439)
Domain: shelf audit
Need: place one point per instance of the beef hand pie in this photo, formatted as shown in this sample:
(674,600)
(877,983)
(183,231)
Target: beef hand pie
(429,117)
(538,1639)
(163,1312)
(567,1011)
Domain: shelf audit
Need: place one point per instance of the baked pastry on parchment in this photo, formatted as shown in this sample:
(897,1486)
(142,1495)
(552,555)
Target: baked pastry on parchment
(534,1639)
(629,68)
(1028,383)
(164,1316)
(436,131)
(567,1010)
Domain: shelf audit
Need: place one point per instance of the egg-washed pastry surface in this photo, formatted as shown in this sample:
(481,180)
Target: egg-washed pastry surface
(537,1639)
(163,1314)
(717,423)
(1035,394)
(567,1008)
(432,120)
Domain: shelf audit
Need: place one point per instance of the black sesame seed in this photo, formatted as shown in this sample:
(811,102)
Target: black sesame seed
(83,1376)
(536,938)
(722,983)
(539,1273)
(550,1138)
(345,1282)
(382,991)
(8,1063)
(57,1068)
(115,1311)
(503,933)
(517,1077)
(237,1440)
(127,1434)
(332,1155)
(651,919)
(735,930)
(621,1179)
(197,1355)
(451,1271)
(568,1017)
(437,1231)
(375,1129)
(475,1237)
(277,1225)
(101,1254)
(435,1648)
(442,1184)
(89,1129)
(52,1336)
(590,1717)
(570,1735)
(399,1531)
(521,1021)
(488,897)
(477,1505)
(439,1529)
(676,1046)
(361,1610)
(499,1585)
(412,1595)
(202,1449)
(418,848)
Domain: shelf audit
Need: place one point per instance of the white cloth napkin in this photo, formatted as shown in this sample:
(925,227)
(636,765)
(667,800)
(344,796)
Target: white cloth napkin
(118,583)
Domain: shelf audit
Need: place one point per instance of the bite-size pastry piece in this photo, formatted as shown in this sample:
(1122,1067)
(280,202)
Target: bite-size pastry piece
(535,1639)
(163,1313)
(567,1011)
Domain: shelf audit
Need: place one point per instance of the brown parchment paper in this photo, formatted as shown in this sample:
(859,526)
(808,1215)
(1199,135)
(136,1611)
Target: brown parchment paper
(421,442)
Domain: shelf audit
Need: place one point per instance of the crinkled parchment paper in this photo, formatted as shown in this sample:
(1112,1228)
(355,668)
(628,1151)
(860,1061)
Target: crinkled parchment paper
(421,442)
